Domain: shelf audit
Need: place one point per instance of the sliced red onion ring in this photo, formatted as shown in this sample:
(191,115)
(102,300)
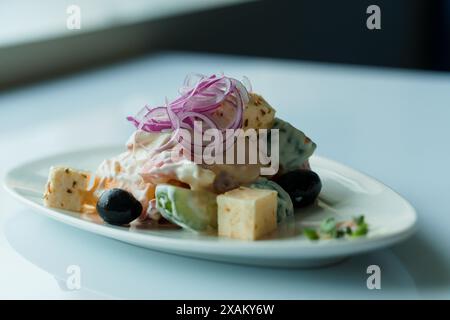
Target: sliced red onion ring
(200,97)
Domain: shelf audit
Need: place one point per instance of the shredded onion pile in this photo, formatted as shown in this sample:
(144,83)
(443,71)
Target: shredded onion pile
(200,97)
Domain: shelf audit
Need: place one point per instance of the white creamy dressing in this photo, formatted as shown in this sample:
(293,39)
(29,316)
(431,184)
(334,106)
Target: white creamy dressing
(184,170)
(124,171)
(143,166)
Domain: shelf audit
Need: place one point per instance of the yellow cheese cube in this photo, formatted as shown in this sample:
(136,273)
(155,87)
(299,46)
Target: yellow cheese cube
(66,188)
(247,214)
(258,114)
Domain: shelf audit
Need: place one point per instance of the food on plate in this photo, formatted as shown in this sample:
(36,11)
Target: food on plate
(295,146)
(330,229)
(117,206)
(258,114)
(67,189)
(205,162)
(190,209)
(285,208)
(247,214)
(303,186)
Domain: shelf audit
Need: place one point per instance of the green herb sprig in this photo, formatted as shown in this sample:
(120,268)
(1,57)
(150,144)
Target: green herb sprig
(330,229)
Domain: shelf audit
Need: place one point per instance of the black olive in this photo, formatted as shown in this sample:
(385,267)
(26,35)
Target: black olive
(303,186)
(119,207)
(224,182)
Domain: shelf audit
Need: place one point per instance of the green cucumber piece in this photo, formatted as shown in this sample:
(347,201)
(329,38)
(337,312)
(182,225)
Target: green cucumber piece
(295,146)
(285,207)
(193,210)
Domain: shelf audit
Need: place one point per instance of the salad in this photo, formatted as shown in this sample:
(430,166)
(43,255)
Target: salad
(216,159)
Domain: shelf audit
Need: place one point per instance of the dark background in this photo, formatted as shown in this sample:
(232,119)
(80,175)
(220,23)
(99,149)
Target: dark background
(414,33)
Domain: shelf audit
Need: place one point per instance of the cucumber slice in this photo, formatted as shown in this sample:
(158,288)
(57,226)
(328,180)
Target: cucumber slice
(295,146)
(193,210)
(285,207)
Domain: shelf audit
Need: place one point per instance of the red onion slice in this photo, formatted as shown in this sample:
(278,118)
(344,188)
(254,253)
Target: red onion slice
(200,97)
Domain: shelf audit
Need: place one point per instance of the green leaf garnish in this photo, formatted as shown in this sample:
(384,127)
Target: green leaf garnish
(311,234)
(328,226)
(359,220)
(329,229)
(360,230)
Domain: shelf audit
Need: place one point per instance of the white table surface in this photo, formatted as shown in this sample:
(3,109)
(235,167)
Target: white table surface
(391,124)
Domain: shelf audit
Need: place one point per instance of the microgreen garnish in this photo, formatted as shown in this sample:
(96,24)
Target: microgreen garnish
(328,226)
(361,227)
(330,229)
(358,220)
(311,234)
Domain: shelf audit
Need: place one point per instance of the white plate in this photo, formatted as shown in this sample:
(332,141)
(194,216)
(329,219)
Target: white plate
(346,193)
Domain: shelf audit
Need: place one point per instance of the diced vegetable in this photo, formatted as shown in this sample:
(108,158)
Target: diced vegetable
(285,208)
(295,146)
(194,210)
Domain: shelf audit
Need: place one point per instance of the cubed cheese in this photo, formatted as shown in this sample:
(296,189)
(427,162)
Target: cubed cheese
(66,188)
(247,214)
(258,114)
